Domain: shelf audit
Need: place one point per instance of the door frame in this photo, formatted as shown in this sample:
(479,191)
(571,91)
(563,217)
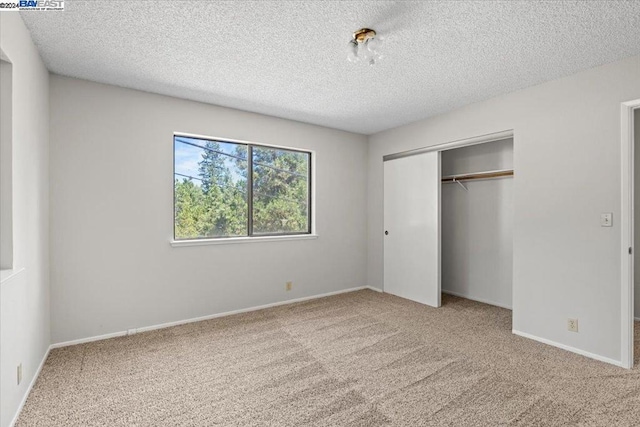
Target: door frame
(627,110)
(482,139)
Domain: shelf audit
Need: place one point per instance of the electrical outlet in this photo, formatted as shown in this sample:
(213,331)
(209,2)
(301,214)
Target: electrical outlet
(289,286)
(19,373)
(572,325)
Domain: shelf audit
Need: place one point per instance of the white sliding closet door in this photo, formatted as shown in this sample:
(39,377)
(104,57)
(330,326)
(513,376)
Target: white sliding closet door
(412,228)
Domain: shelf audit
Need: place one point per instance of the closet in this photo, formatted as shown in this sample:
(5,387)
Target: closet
(448,218)
(477,222)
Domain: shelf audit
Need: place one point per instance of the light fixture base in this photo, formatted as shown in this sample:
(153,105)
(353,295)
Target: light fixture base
(363,34)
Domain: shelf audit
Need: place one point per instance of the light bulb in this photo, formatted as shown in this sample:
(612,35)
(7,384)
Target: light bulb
(374,44)
(364,53)
(352,51)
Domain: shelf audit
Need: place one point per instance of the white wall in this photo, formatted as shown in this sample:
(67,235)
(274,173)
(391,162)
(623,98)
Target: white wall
(636,200)
(6,204)
(567,158)
(111,214)
(24,298)
(477,225)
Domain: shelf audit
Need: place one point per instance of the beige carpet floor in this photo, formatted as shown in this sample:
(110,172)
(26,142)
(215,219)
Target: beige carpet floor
(358,359)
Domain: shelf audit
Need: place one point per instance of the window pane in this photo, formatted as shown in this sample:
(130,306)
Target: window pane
(280,191)
(210,188)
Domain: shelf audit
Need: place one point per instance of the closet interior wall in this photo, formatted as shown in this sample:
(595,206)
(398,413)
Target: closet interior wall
(477,224)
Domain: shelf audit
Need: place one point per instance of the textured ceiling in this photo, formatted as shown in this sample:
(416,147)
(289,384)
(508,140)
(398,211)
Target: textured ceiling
(288,59)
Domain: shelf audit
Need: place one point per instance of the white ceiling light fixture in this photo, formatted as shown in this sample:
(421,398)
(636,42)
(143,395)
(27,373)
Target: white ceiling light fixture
(364,46)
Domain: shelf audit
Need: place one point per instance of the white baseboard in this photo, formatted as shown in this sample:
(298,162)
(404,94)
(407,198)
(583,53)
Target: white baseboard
(89,339)
(569,348)
(28,391)
(482,300)
(374,289)
(637,319)
(199,319)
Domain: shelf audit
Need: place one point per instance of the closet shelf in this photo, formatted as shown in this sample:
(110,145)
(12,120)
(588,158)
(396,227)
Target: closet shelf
(478,175)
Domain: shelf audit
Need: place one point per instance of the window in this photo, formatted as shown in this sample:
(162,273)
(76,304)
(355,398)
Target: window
(230,189)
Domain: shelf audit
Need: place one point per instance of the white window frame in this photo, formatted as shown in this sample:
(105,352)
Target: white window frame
(203,241)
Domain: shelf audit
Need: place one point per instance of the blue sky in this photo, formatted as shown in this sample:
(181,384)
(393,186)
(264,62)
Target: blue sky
(187,157)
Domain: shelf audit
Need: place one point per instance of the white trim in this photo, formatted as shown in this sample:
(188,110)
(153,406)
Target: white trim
(375,289)
(233,240)
(7,275)
(569,348)
(89,339)
(627,231)
(481,139)
(482,300)
(28,391)
(637,319)
(199,319)
(240,141)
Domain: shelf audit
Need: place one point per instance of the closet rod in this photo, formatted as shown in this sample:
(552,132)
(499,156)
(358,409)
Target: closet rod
(478,175)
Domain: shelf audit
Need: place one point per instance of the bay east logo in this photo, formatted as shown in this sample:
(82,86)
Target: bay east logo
(41,5)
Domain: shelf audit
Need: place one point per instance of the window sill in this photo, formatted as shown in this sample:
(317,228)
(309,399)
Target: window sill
(232,240)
